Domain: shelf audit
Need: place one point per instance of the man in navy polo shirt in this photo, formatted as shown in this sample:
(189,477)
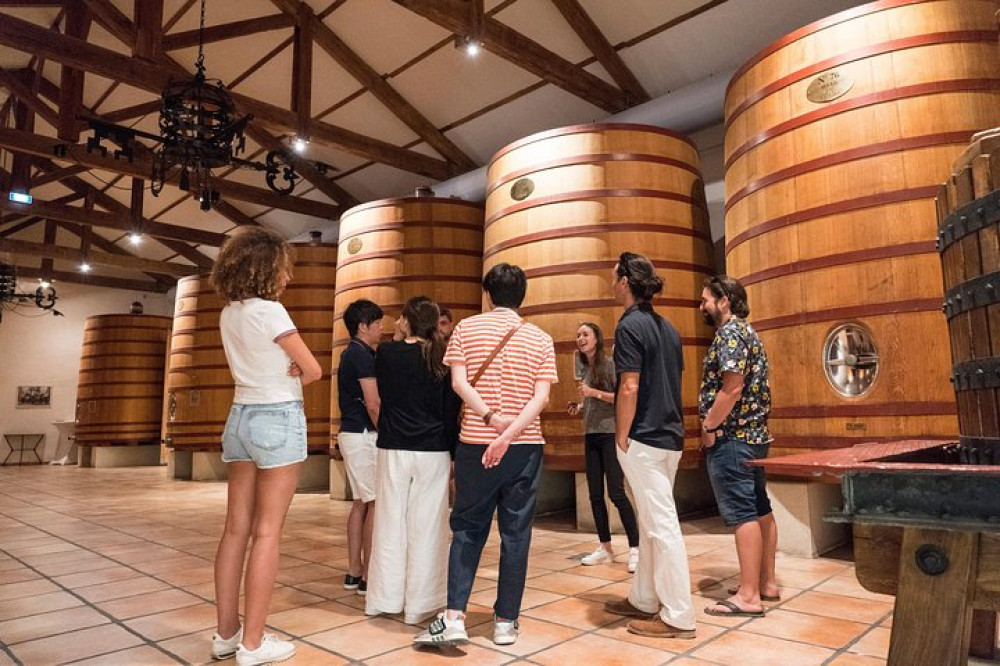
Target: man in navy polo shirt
(649,433)
(357,395)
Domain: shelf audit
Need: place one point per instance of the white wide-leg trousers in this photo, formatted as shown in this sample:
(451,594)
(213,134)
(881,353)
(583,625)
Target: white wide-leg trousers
(409,562)
(661,582)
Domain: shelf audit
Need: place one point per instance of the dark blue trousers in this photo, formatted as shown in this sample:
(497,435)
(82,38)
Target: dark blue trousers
(509,489)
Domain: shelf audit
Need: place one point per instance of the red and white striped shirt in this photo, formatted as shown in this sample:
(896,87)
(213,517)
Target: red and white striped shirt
(509,381)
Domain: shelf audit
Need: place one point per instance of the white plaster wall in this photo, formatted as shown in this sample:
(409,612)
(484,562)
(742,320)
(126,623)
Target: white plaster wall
(39,349)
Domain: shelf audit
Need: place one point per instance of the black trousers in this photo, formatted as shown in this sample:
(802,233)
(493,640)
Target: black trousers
(602,462)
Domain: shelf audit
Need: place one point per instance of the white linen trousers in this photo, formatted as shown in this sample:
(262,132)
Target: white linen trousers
(661,583)
(408,570)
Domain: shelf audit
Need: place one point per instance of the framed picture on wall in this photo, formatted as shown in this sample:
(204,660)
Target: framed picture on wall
(34,396)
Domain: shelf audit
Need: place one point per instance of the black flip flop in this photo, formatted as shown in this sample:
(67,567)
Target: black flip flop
(763,597)
(734,610)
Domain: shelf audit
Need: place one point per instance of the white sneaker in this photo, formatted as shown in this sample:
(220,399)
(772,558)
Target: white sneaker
(443,631)
(599,556)
(272,649)
(504,632)
(224,648)
(633,559)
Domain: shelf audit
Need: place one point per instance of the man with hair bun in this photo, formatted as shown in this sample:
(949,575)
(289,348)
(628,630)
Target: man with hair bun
(649,433)
(734,403)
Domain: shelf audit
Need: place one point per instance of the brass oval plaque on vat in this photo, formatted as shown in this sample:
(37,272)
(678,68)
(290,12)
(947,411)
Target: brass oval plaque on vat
(354,246)
(829,86)
(522,189)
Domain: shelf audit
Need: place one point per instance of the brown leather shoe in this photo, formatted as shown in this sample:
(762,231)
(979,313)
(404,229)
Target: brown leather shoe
(655,627)
(624,607)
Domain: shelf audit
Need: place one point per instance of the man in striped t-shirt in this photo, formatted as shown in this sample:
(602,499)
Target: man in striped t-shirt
(499,455)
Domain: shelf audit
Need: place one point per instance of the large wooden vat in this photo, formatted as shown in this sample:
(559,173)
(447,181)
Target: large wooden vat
(394,249)
(563,205)
(969,241)
(836,138)
(199,384)
(120,389)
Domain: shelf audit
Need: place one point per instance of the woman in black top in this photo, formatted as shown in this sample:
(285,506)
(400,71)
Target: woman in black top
(417,431)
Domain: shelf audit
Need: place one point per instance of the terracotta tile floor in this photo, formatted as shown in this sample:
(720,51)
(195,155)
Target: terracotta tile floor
(113,566)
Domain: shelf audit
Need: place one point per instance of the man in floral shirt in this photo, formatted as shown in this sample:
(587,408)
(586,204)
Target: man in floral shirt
(733,403)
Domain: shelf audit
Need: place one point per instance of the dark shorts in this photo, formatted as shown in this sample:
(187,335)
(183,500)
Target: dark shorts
(740,489)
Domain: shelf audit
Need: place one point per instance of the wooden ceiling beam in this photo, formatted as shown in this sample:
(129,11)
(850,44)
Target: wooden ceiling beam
(27,37)
(94,218)
(20,226)
(94,280)
(49,238)
(35,81)
(302,70)
(202,261)
(40,179)
(114,21)
(78,19)
(132,112)
(234,214)
(591,35)
(218,33)
(86,235)
(20,169)
(140,166)
(377,85)
(19,89)
(453,15)
(100,258)
(139,223)
(148,28)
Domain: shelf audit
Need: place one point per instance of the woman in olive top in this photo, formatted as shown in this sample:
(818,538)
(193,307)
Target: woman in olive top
(417,432)
(595,373)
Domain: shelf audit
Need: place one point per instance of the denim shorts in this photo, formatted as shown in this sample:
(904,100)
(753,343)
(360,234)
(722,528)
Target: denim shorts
(740,489)
(271,435)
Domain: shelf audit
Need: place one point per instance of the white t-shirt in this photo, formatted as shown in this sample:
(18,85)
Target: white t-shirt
(250,331)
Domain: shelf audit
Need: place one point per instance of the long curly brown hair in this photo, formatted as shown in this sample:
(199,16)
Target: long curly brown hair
(251,264)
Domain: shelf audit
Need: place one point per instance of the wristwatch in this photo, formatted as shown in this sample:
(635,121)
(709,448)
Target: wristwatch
(487,416)
(706,429)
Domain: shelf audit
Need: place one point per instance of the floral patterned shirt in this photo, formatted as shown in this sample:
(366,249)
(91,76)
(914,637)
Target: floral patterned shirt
(737,348)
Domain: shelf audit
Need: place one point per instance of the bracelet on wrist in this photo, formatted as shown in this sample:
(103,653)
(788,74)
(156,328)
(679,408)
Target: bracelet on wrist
(488,416)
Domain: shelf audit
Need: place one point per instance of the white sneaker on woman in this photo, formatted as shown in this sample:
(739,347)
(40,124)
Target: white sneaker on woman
(599,556)
(271,649)
(224,648)
(633,559)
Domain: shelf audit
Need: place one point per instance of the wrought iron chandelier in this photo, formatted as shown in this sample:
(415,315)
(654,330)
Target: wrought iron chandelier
(200,130)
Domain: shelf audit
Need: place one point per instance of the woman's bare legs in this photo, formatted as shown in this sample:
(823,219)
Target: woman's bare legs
(273,494)
(233,546)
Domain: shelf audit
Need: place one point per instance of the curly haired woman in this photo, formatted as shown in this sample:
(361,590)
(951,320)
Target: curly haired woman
(264,442)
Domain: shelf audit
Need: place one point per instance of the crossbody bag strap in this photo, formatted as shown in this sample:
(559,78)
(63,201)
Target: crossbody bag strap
(493,354)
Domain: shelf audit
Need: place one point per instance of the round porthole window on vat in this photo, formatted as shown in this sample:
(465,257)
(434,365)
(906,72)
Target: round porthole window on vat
(850,359)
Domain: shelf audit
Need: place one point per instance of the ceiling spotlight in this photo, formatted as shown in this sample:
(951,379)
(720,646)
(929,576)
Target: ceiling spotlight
(44,284)
(135,238)
(471,48)
(299,145)
(85,267)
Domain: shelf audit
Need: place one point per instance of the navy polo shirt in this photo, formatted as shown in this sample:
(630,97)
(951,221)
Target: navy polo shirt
(648,344)
(356,362)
